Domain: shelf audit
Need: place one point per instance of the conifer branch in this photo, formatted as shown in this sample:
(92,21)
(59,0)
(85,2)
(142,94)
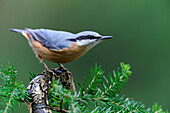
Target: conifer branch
(110,86)
(56,92)
(9,102)
(89,86)
(74,111)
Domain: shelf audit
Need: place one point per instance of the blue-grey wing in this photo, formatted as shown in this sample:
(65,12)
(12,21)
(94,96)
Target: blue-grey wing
(53,40)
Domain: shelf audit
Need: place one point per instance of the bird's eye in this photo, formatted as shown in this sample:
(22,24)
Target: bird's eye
(89,36)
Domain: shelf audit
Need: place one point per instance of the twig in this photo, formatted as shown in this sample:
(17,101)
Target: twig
(9,102)
(106,91)
(89,86)
(110,87)
(74,111)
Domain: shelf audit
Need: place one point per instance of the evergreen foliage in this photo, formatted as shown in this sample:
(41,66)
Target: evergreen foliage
(12,92)
(97,94)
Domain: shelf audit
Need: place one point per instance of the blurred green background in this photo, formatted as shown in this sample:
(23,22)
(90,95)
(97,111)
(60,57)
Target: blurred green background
(142,36)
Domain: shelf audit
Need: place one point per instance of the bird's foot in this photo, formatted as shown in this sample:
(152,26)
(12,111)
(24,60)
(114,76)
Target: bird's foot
(46,67)
(42,61)
(61,67)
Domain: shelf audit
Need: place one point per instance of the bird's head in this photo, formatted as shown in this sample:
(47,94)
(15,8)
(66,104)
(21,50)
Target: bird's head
(89,38)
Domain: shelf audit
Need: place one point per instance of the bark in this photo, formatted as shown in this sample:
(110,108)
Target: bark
(38,89)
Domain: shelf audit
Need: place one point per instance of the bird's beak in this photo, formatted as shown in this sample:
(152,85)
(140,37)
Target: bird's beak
(106,37)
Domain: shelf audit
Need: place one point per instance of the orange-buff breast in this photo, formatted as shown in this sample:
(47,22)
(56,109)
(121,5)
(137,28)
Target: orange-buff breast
(59,56)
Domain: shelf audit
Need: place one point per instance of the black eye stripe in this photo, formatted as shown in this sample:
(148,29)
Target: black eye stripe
(74,40)
(87,37)
(84,38)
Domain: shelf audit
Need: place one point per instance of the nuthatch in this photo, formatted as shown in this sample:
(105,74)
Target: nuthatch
(60,46)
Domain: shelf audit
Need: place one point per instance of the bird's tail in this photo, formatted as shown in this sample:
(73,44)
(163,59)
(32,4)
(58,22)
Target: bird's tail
(25,33)
(16,30)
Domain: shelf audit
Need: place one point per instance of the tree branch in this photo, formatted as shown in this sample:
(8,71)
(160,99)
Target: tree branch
(38,89)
